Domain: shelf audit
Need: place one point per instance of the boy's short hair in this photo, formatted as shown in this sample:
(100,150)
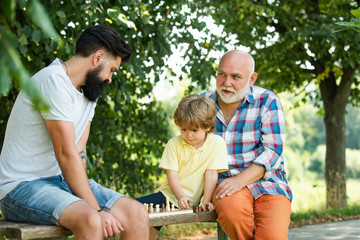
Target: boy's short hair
(195,112)
(102,37)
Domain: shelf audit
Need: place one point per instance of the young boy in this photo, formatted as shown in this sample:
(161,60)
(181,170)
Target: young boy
(192,161)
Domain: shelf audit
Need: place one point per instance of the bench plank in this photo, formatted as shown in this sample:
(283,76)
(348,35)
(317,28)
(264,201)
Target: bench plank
(26,231)
(188,217)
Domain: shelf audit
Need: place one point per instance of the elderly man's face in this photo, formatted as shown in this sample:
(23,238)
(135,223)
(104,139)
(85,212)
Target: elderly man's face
(234,77)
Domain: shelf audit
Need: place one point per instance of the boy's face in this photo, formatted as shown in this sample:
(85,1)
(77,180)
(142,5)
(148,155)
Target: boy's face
(195,137)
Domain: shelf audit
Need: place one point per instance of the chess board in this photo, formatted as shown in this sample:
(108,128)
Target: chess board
(173,213)
(180,216)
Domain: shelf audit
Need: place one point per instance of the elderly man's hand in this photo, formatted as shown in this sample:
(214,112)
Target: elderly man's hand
(227,187)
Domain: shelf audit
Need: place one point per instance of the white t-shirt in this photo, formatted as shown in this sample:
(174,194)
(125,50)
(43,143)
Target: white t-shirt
(27,153)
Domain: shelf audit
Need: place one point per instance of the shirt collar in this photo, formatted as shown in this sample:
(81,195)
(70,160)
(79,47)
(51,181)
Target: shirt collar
(202,146)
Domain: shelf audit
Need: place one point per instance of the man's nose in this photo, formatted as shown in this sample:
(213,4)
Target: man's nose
(109,78)
(227,81)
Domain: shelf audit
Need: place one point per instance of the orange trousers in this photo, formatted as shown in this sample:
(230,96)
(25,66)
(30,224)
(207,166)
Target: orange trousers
(244,218)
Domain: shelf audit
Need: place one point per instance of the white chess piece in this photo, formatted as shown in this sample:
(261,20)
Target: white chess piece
(167,207)
(157,208)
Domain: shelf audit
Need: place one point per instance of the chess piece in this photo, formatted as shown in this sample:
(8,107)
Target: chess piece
(167,204)
(194,209)
(151,209)
(157,208)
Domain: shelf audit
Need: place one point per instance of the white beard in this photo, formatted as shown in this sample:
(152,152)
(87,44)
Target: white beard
(236,97)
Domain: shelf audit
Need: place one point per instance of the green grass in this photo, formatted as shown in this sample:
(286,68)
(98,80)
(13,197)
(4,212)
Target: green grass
(309,204)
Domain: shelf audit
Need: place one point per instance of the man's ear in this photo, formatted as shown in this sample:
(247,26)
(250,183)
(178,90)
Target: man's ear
(98,57)
(253,79)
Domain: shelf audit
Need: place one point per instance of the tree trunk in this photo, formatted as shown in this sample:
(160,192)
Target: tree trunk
(335,161)
(335,98)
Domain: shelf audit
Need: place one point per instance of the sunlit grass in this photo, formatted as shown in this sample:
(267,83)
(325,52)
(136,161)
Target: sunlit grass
(311,195)
(308,195)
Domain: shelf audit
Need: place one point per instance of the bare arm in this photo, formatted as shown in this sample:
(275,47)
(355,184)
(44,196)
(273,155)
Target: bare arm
(63,138)
(232,185)
(72,167)
(81,144)
(211,177)
(174,183)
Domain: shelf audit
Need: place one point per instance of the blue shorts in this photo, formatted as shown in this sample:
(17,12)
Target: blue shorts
(42,201)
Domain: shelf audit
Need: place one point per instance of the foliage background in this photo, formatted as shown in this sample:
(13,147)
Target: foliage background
(130,128)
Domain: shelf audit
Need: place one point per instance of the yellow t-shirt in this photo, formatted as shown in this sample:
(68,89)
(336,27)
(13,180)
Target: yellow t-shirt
(191,164)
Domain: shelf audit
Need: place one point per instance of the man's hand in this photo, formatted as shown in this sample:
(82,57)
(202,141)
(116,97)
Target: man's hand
(227,187)
(110,224)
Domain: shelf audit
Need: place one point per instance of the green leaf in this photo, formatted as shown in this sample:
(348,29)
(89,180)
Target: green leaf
(5,80)
(113,12)
(356,13)
(19,71)
(36,36)
(23,39)
(347,24)
(7,7)
(41,19)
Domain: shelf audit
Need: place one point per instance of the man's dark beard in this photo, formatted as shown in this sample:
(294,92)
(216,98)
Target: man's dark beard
(94,85)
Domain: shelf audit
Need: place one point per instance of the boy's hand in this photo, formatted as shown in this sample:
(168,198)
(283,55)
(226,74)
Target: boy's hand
(208,206)
(183,203)
(110,224)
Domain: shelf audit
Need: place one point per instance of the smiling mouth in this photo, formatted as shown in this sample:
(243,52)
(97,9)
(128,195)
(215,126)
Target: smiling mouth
(227,92)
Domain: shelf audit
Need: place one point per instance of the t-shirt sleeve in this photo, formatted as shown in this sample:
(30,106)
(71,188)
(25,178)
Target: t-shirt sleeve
(219,159)
(59,95)
(169,159)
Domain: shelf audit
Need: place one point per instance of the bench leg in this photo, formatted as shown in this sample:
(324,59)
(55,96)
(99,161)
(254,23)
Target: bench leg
(221,234)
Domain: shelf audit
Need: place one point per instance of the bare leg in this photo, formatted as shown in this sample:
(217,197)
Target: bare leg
(133,217)
(83,221)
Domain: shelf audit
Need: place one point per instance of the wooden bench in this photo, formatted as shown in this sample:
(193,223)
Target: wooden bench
(14,230)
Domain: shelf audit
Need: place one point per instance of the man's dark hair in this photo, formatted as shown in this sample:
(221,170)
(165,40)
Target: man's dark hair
(102,37)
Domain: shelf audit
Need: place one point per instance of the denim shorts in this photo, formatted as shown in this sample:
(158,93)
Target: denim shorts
(42,201)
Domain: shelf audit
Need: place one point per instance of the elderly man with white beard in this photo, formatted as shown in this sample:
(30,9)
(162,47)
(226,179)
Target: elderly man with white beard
(253,199)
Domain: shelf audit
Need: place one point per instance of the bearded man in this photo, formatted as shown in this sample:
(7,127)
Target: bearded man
(43,178)
(253,199)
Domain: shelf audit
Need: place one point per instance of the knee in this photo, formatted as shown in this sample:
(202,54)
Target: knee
(232,211)
(134,213)
(91,220)
(139,213)
(87,224)
(81,219)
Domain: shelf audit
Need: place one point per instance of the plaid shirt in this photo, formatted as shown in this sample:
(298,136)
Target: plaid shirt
(256,134)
